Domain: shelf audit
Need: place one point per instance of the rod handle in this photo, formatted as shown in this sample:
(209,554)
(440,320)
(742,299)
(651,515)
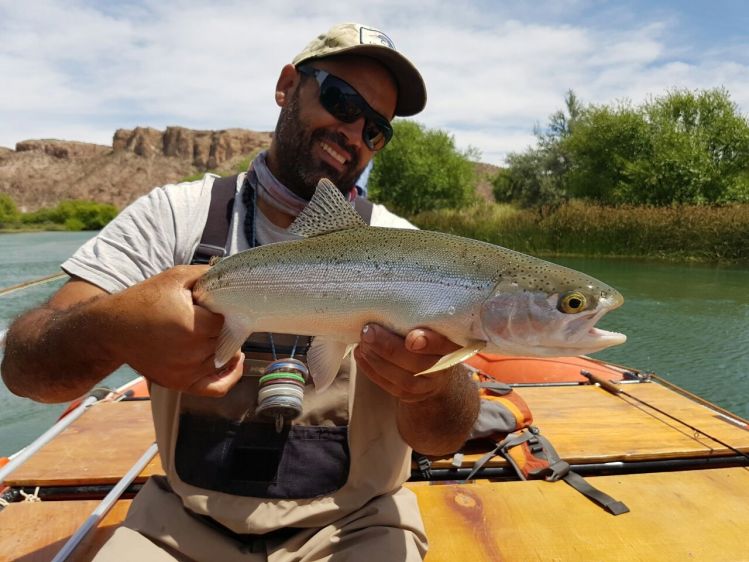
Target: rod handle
(603,383)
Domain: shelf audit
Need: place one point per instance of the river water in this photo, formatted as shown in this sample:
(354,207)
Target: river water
(687,323)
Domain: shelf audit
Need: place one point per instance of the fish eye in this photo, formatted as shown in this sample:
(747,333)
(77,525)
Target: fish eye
(572,303)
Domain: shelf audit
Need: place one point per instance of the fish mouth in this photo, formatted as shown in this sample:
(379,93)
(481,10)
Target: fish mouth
(610,338)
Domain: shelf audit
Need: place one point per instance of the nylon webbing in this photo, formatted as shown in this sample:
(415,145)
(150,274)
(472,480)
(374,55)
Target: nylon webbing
(213,241)
(611,505)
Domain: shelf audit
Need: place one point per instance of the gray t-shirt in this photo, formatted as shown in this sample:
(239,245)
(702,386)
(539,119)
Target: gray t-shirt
(163,228)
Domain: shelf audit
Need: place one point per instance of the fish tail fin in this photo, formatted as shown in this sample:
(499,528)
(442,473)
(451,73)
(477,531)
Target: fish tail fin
(233,335)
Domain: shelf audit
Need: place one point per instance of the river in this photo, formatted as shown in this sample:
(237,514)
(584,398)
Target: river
(687,323)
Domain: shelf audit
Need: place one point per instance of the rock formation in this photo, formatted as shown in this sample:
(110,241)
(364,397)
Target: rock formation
(40,173)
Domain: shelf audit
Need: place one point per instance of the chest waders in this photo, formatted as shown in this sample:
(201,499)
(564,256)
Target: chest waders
(244,443)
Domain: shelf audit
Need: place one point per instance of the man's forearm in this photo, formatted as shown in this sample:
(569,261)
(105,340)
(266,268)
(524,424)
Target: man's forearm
(440,424)
(57,355)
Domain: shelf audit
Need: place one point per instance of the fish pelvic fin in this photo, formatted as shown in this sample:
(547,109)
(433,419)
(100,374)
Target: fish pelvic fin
(455,357)
(328,211)
(233,334)
(324,360)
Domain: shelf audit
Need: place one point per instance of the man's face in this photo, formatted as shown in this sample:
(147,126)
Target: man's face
(311,144)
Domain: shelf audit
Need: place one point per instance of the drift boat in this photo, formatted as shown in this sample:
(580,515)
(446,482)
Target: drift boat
(679,463)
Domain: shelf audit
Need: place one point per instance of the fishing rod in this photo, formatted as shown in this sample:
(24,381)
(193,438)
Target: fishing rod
(106,504)
(609,386)
(32,283)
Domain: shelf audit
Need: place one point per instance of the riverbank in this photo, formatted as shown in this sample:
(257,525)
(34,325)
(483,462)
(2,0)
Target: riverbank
(686,233)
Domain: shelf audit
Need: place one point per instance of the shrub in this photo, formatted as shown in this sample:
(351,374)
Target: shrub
(421,170)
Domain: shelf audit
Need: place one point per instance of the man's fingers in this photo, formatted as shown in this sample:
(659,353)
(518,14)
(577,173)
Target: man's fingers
(218,383)
(389,346)
(188,275)
(428,342)
(394,380)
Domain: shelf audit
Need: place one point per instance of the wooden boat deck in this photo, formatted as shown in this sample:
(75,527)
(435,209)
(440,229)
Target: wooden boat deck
(480,520)
(585,423)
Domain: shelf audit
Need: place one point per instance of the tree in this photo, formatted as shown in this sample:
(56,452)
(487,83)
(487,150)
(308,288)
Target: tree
(421,170)
(536,178)
(683,147)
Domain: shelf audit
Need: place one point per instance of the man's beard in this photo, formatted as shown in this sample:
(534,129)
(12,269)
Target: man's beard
(298,169)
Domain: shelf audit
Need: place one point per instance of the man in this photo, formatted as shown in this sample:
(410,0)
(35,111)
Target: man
(329,486)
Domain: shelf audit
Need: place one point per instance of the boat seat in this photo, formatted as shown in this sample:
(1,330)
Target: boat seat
(485,521)
(585,424)
(98,448)
(674,516)
(36,531)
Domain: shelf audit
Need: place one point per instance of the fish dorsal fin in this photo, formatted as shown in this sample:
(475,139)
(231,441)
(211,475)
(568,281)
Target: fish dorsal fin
(328,211)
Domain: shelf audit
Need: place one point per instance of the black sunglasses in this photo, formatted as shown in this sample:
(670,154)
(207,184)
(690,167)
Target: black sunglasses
(344,103)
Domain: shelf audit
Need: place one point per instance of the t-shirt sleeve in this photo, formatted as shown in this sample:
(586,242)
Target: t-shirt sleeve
(157,231)
(381,216)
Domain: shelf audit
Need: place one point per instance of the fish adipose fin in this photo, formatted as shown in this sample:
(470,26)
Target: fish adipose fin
(328,211)
(324,359)
(233,334)
(455,357)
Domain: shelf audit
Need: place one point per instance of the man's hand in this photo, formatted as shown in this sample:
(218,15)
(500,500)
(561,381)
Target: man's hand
(391,361)
(437,410)
(60,350)
(167,338)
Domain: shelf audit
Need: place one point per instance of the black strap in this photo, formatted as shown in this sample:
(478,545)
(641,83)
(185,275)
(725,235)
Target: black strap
(364,206)
(213,241)
(216,230)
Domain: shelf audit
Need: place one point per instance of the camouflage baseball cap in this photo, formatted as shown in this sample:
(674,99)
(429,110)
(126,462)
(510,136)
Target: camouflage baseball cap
(357,39)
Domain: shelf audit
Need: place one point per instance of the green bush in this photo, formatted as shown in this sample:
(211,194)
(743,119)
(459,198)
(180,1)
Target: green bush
(8,210)
(74,215)
(421,170)
(681,148)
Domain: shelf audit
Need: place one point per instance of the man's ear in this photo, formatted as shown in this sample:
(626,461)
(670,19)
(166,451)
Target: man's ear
(287,82)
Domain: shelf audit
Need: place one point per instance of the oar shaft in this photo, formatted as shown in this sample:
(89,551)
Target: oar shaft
(45,438)
(33,282)
(106,504)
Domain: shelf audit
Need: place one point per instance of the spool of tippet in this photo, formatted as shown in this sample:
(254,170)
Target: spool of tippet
(281,391)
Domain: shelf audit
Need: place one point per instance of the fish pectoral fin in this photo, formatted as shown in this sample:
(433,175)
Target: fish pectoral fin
(233,334)
(324,359)
(455,357)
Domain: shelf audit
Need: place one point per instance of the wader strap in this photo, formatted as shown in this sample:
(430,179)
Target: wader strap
(213,241)
(608,503)
(363,206)
(557,469)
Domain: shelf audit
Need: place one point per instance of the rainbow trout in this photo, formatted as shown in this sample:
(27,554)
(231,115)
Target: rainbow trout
(344,274)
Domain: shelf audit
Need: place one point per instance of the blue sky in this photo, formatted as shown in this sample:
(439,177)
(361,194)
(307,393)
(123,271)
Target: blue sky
(78,70)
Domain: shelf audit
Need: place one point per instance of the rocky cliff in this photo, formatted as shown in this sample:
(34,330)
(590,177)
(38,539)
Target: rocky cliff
(39,173)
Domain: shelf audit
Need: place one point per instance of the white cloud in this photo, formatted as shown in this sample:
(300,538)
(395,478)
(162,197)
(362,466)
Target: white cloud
(78,70)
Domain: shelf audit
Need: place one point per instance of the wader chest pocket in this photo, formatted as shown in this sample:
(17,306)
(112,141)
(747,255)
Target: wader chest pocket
(251,459)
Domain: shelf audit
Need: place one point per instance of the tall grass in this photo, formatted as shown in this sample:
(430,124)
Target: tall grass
(684,232)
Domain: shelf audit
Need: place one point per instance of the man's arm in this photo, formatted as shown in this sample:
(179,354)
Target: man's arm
(58,351)
(436,411)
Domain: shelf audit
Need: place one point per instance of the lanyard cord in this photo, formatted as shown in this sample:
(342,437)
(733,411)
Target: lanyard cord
(249,198)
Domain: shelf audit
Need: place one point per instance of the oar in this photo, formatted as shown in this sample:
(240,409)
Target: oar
(106,504)
(32,283)
(24,455)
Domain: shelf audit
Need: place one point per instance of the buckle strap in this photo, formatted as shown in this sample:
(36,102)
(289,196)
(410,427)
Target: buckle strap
(611,505)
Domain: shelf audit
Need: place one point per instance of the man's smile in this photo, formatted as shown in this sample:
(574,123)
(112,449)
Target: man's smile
(337,156)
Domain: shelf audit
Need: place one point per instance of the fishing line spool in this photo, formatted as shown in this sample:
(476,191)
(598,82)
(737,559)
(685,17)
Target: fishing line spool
(281,391)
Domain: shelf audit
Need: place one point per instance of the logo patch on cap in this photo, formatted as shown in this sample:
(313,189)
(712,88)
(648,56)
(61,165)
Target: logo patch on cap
(368,36)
